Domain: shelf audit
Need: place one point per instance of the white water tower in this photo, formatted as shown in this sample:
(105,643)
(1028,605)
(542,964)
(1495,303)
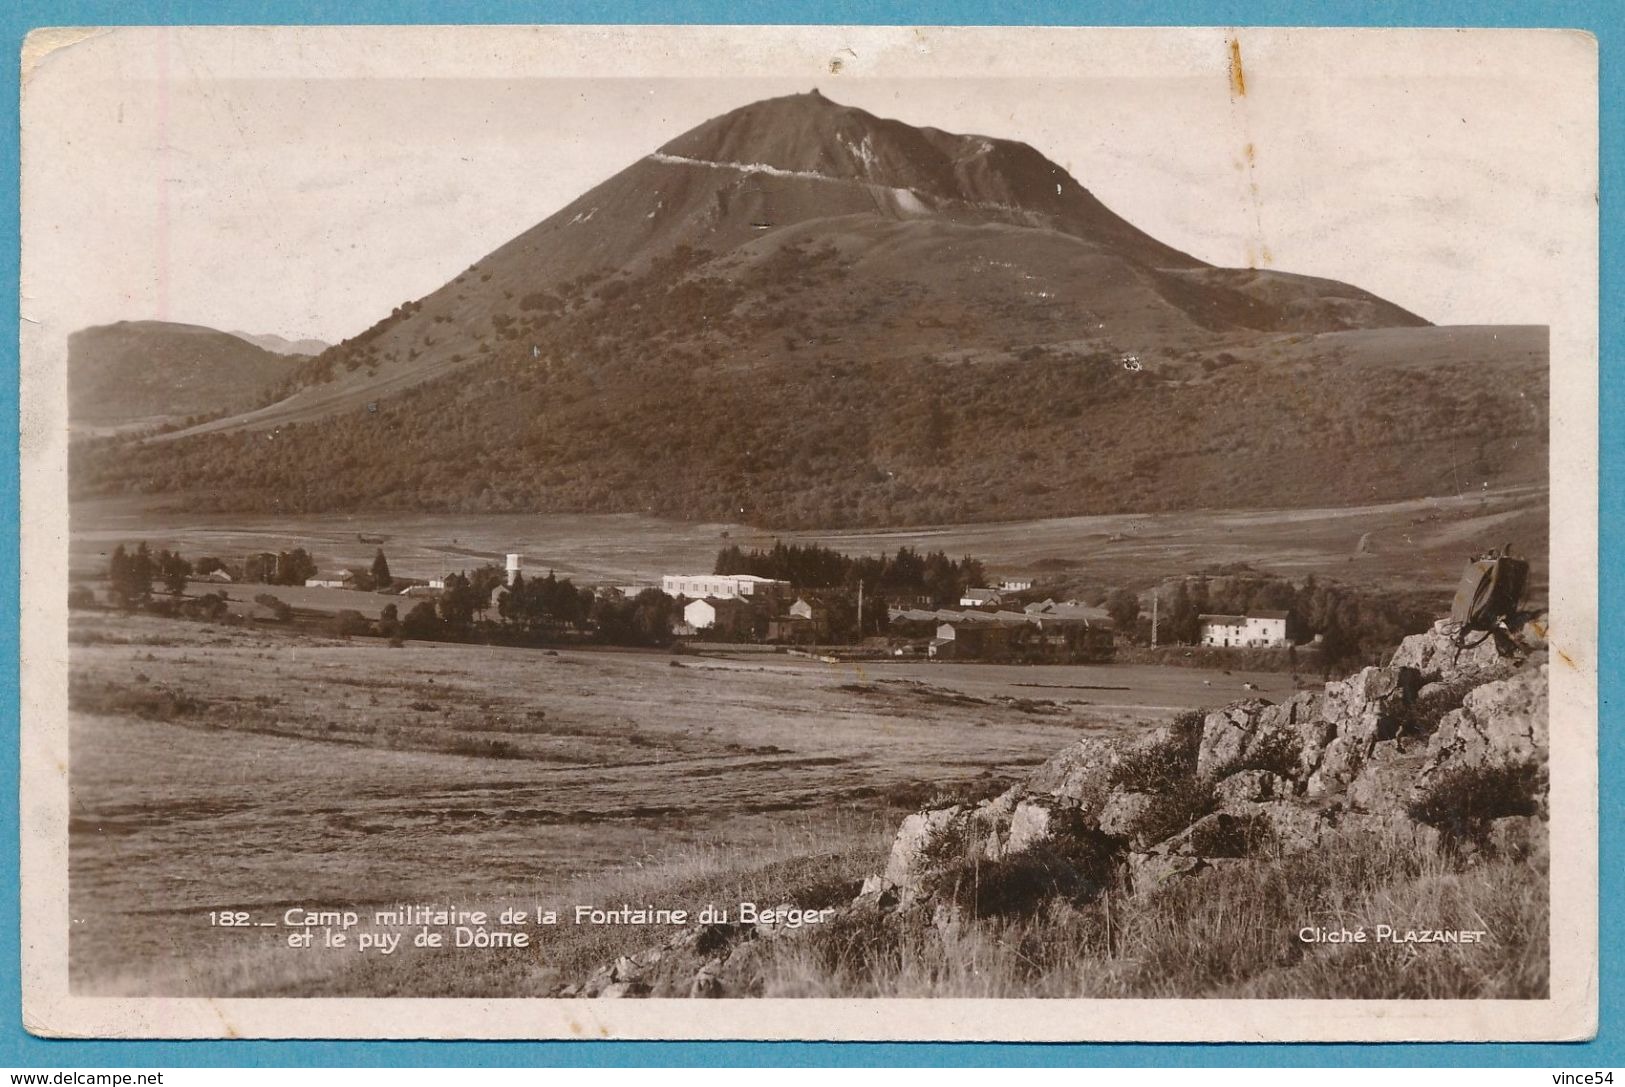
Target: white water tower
(515,562)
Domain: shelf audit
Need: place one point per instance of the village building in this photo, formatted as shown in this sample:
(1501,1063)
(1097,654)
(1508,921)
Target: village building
(720,586)
(1015,585)
(1008,635)
(807,622)
(725,615)
(987,639)
(1259,629)
(344,579)
(1069,610)
(980,598)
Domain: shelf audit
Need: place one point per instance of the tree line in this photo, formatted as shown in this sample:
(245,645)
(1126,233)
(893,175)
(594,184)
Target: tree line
(906,577)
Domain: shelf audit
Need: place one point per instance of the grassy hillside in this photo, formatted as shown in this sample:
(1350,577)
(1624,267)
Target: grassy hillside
(158,371)
(803,167)
(854,382)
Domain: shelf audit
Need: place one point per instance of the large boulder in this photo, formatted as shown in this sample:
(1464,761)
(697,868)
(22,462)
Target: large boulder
(991,821)
(1388,779)
(1079,772)
(1436,655)
(1125,815)
(1227,733)
(1501,721)
(1339,764)
(1294,826)
(925,841)
(1251,785)
(1034,821)
(1149,871)
(1369,706)
(1284,737)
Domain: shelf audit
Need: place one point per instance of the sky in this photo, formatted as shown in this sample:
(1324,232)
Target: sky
(303,181)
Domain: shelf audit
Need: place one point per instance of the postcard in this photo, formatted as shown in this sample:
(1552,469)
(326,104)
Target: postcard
(809,533)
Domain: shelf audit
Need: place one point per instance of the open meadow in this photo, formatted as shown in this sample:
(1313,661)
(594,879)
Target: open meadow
(232,768)
(1418,544)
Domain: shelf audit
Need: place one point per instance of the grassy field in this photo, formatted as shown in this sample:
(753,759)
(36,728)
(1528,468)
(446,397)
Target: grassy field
(1417,544)
(233,768)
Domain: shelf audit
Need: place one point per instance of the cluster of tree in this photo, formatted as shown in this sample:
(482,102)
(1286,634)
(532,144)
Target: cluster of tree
(545,604)
(380,571)
(130,574)
(282,568)
(1355,626)
(907,576)
(645,619)
(532,610)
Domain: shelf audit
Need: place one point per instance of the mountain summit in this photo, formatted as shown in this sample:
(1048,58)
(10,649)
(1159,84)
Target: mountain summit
(799,312)
(896,169)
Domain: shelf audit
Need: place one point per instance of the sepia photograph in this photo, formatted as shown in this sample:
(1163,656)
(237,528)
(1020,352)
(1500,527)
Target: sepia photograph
(915,532)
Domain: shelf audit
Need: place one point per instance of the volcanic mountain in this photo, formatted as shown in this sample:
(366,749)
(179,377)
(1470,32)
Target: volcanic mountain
(149,372)
(801,313)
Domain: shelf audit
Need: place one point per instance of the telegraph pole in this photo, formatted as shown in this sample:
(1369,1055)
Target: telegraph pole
(1154,597)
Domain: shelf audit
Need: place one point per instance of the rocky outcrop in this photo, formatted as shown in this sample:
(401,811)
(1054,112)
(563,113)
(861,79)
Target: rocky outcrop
(1498,722)
(1075,772)
(1245,735)
(1438,654)
(1252,786)
(1369,706)
(1355,756)
(926,841)
(1361,756)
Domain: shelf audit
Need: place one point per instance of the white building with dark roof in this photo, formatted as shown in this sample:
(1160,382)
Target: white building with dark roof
(720,586)
(1259,629)
(980,598)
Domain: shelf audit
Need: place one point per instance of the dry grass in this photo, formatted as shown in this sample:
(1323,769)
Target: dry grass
(1225,933)
(252,770)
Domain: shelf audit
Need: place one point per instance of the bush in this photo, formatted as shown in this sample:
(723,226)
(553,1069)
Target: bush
(1159,767)
(1231,836)
(210,606)
(348,622)
(81,596)
(1463,802)
(1275,753)
(1421,718)
(278,607)
(150,703)
(422,623)
(484,749)
(1167,771)
(1074,867)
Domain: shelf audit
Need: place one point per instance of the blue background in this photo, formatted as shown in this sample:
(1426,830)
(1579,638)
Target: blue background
(1605,19)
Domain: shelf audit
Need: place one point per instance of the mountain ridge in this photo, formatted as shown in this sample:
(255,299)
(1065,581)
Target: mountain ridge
(804,314)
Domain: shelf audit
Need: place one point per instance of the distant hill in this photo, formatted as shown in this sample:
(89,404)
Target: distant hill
(801,314)
(153,372)
(281,346)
